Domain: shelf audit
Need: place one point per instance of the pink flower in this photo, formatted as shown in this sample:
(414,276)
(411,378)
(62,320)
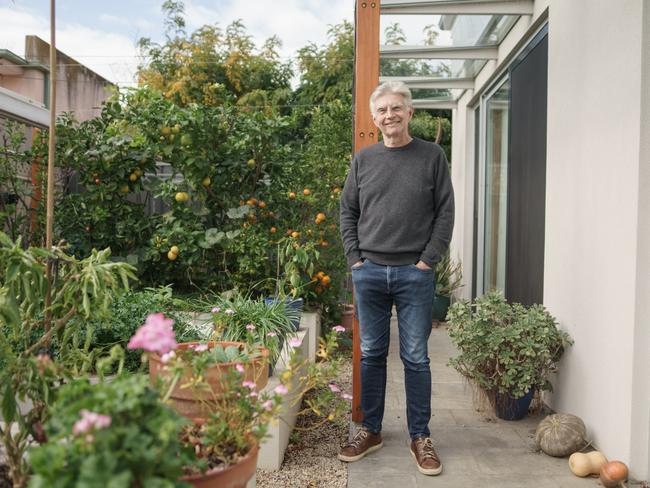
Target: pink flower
(295,342)
(156,335)
(168,356)
(346,396)
(268,405)
(250,327)
(271,334)
(239,367)
(249,384)
(281,390)
(334,388)
(199,347)
(216,310)
(339,328)
(252,394)
(229,311)
(89,421)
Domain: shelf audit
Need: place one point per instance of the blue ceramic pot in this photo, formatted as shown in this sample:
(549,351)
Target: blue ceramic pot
(440,307)
(295,304)
(508,408)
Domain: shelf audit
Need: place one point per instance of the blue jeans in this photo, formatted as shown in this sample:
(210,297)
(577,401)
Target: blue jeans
(411,289)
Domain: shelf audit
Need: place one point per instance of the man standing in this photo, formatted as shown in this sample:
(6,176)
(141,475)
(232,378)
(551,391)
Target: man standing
(397,216)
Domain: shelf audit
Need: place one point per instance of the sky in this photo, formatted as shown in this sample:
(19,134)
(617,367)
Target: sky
(103,34)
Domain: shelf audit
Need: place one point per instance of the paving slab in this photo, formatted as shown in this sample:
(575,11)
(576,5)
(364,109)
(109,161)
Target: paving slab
(477,449)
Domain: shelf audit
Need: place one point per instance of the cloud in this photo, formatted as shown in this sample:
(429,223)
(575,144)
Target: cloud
(111,55)
(295,22)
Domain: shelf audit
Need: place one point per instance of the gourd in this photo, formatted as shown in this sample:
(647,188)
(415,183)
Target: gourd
(585,464)
(561,434)
(613,474)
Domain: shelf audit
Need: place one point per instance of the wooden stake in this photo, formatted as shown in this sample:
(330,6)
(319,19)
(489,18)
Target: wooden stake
(366,79)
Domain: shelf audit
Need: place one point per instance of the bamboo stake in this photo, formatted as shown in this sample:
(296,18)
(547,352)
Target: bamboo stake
(49,219)
(51,141)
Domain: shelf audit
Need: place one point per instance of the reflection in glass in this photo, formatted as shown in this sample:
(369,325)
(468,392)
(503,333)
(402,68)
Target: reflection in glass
(496,186)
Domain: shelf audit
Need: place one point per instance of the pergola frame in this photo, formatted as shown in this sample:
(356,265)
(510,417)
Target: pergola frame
(366,78)
(457,7)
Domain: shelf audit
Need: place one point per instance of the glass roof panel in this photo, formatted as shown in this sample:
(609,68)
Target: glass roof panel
(445,30)
(441,31)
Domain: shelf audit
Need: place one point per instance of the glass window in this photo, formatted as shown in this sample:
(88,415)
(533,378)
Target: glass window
(496,186)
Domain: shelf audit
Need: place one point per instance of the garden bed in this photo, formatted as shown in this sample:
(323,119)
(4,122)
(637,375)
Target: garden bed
(310,459)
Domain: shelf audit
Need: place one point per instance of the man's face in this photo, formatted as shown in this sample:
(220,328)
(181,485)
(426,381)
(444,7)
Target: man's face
(392,116)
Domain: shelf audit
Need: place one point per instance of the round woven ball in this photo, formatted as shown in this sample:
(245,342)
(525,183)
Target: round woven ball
(561,434)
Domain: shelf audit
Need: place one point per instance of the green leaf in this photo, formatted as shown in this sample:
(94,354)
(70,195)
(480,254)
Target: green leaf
(8,405)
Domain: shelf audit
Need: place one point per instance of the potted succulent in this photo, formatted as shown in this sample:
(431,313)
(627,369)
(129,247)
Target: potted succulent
(507,350)
(448,279)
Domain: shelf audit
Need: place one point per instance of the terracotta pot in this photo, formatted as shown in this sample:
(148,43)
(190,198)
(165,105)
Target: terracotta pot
(233,476)
(194,403)
(347,317)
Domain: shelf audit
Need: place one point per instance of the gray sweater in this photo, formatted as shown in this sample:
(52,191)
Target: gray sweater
(397,205)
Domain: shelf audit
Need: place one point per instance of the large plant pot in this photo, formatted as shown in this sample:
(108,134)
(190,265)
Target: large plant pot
(233,476)
(440,307)
(195,403)
(347,317)
(508,408)
(295,304)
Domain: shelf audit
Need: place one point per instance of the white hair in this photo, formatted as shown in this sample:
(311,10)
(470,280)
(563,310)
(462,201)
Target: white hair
(396,87)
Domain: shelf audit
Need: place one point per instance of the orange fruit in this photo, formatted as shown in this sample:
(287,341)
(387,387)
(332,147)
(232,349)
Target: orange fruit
(250,202)
(174,249)
(292,195)
(261,204)
(321,216)
(295,234)
(172,256)
(306,192)
(133,177)
(320,275)
(325,280)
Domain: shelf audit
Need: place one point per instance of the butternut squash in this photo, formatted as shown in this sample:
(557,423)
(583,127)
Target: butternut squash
(585,464)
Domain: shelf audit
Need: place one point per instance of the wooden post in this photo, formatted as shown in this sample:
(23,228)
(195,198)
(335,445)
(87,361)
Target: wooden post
(366,79)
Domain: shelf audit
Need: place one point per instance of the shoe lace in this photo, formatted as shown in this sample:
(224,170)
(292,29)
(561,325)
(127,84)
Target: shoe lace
(426,448)
(358,438)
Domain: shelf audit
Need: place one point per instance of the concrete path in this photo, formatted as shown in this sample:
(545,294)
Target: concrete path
(476,449)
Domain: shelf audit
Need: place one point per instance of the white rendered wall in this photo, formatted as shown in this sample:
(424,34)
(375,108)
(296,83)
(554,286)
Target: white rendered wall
(596,232)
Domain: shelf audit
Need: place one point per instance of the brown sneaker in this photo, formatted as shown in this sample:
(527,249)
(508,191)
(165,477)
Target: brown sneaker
(364,442)
(425,456)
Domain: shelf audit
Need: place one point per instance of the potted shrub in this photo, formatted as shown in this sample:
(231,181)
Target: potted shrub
(448,279)
(507,350)
(115,433)
(295,268)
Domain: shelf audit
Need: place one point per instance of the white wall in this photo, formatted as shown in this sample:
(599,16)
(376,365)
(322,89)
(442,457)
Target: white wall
(593,217)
